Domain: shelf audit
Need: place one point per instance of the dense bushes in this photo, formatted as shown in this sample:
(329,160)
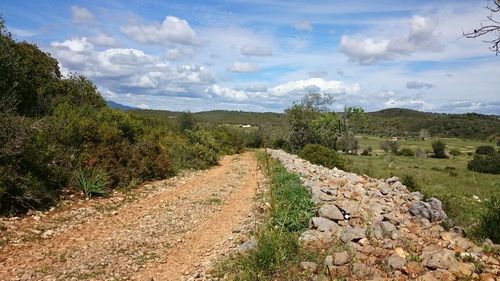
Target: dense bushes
(485,163)
(324,156)
(56,132)
(405,152)
(486,150)
(486,160)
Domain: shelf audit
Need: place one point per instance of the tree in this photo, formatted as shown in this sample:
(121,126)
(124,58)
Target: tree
(311,122)
(491,27)
(300,117)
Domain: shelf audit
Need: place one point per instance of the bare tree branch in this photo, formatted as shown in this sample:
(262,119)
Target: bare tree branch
(493,27)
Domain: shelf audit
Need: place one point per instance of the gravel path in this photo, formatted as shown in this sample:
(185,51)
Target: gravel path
(168,233)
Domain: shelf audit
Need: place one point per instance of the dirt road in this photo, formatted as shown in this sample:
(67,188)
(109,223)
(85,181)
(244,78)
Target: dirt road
(164,235)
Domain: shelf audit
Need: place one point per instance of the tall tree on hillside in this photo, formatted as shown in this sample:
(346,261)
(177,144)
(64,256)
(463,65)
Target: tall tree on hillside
(491,26)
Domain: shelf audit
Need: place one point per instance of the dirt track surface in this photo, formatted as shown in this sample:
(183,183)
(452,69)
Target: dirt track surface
(165,235)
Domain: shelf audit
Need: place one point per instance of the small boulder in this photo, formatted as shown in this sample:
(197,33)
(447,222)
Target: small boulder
(309,266)
(340,258)
(330,212)
(353,234)
(323,225)
(315,236)
(435,257)
(431,210)
(387,228)
(392,180)
(395,261)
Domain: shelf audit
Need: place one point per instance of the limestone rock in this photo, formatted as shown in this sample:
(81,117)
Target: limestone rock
(462,268)
(323,225)
(435,257)
(309,266)
(353,234)
(340,258)
(330,212)
(431,209)
(395,261)
(315,236)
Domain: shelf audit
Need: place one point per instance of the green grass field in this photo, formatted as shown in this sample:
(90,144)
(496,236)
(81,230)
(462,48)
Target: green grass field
(446,179)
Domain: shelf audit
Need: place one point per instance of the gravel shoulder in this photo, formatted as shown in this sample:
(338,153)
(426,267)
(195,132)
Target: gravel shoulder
(166,232)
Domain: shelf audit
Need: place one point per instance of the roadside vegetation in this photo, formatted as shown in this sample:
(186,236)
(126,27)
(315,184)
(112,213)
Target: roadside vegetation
(56,133)
(277,253)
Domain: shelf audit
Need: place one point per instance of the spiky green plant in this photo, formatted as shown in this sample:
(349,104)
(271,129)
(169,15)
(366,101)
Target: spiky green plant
(92,181)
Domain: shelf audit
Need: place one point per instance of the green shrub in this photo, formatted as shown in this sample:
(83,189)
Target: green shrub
(485,163)
(203,150)
(438,148)
(455,152)
(91,181)
(367,151)
(411,183)
(486,150)
(389,146)
(186,121)
(405,152)
(490,221)
(321,155)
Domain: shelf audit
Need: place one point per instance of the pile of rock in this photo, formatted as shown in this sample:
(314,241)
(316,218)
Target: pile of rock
(385,232)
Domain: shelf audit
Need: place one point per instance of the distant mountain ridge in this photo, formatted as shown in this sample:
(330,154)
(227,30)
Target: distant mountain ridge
(120,106)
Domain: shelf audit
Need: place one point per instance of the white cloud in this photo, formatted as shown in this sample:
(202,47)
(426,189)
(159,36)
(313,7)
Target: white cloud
(252,50)
(81,14)
(243,67)
(314,84)
(303,26)
(73,53)
(408,103)
(103,40)
(172,29)
(365,51)
(421,37)
(77,45)
(227,92)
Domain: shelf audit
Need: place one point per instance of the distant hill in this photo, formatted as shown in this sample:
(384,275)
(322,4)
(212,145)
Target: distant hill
(408,123)
(116,105)
(224,116)
(387,122)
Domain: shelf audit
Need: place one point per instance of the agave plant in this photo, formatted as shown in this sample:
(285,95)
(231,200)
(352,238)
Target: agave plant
(92,181)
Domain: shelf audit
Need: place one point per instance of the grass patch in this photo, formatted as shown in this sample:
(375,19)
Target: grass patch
(277,253)
(213,201)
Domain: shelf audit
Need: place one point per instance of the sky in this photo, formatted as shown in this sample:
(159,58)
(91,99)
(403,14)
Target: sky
(262,55)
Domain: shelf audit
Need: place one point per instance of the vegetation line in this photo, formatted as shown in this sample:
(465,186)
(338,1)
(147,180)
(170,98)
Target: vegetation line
(276,253)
